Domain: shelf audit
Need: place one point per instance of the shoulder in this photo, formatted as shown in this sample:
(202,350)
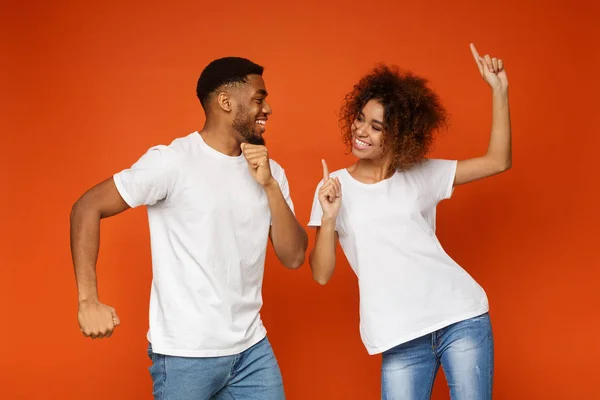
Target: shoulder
(168,155)
(338,173)
(182,145)
(430,166)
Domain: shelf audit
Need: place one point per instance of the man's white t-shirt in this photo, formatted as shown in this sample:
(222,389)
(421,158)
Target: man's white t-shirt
(408,285)
(209,226)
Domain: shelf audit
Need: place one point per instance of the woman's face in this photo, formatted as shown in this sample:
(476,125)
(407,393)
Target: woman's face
(367,132)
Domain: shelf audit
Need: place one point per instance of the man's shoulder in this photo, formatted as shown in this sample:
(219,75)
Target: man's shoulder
(178,146)
(185,143)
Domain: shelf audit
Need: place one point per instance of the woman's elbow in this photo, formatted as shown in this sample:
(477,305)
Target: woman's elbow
(502,165)
(319,277)
(321,280)
(506,166)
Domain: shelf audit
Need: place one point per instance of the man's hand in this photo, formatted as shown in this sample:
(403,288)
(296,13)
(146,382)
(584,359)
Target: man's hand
(258,163)
(97,320)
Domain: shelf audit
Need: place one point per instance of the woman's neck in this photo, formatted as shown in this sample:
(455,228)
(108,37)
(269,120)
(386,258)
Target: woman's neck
(370,171)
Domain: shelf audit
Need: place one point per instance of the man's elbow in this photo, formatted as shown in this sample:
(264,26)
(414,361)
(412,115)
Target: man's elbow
(77,208)
(85,207)
(296,262)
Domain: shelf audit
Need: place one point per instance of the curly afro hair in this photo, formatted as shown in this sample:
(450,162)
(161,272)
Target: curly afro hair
(412,113)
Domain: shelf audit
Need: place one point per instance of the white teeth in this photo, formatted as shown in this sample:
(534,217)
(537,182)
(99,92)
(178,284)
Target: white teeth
(361,143)
(260,122)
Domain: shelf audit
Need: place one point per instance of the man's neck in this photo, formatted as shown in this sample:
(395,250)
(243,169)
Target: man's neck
(223,139)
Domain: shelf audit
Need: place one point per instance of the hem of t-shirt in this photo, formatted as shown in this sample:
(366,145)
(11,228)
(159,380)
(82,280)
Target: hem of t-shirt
(429,329)
(121,189)
(314,223)
(450,188)
(209,353)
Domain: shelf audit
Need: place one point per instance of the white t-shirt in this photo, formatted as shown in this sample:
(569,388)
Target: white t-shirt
(209,225)
(409,286)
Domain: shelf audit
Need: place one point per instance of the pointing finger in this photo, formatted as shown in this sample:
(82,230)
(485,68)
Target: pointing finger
(325,171)
(476,57)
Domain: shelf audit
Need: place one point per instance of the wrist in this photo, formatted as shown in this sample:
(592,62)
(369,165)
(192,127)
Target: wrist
(327,220)
(500,90)
(86,299)
(271,184)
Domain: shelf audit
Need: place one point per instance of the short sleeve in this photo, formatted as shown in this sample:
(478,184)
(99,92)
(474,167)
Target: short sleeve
(149,180)
(281,178)
(316,213)
(437,178)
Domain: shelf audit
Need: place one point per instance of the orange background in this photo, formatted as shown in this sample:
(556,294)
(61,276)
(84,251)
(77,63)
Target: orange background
(87,87)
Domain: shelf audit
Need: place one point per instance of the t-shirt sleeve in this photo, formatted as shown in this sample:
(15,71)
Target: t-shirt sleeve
(149,180)
(284,186)
(316,213)
(437,178)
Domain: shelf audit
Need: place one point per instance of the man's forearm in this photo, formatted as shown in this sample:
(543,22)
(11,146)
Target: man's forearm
(85,241)
(289,238)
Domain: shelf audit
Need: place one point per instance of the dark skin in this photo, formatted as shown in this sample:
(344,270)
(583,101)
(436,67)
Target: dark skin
(235,120)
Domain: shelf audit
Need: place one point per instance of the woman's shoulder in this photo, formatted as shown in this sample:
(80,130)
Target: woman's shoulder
(429,165)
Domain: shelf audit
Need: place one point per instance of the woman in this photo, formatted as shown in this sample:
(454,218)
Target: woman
(417,306)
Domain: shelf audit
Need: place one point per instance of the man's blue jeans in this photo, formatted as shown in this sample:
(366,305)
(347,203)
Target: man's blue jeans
(251,375)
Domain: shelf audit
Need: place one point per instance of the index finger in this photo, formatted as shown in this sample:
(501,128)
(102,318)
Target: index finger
(475,53)
(325,171)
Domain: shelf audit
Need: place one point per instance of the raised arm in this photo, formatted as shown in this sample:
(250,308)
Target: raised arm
(499,154)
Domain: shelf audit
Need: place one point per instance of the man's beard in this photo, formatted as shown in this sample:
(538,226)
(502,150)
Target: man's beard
(245,127)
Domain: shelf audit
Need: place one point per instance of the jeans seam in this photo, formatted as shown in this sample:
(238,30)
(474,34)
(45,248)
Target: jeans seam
(164,374)
(233,370)
(229,393)
(491,361)
(433,373)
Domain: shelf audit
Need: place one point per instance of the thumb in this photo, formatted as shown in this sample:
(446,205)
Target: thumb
(115,318)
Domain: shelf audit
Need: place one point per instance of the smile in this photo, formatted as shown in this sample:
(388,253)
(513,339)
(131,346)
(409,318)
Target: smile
(359,144)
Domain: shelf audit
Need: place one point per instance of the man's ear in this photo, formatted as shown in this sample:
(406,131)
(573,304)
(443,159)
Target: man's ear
(225,101)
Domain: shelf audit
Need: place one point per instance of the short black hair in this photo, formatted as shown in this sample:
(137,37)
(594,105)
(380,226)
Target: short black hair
(224,71)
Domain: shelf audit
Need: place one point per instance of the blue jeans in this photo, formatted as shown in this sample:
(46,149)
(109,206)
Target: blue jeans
(251,375)
(465,351)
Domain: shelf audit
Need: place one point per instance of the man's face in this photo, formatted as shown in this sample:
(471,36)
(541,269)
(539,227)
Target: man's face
(252,110)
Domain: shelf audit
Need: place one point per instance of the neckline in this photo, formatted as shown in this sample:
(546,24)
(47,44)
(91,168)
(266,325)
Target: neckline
(370,185)
(216,153)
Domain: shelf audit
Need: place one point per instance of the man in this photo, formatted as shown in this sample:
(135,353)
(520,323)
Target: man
(213,198)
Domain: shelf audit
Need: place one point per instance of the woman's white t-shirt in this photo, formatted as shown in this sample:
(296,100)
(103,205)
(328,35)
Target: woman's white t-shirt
(408,285)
